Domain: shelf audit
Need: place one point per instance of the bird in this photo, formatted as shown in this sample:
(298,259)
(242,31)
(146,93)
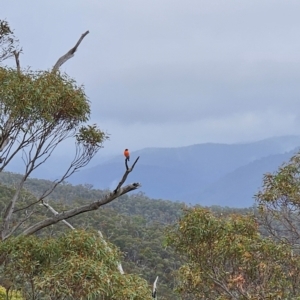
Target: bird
(127,154)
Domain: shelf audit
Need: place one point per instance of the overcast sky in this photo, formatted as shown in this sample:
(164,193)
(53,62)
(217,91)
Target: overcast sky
(169,73)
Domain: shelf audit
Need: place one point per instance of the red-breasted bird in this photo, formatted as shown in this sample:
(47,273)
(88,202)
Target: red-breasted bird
(127,154)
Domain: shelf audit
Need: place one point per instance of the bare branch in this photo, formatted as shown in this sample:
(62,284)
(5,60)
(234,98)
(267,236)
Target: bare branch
(119,265)
(17,54)
(10,208)
(56,213)
(128,170)
(69,54)
(154,293)
(32,160)
(5,137)
(79,210)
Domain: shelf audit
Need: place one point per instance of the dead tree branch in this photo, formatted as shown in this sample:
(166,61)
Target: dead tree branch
(79,210)
(154,292)
(128,170)
(119,191)
(56,213)
(69,54)
(119,265)
(9,210)
(93,206)
(17,54)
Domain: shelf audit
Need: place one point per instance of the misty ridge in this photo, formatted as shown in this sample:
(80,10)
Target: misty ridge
(206,174)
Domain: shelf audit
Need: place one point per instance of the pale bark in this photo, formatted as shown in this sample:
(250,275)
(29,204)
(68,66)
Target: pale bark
(154,292)
(69,54)
(56,213)
(17,54)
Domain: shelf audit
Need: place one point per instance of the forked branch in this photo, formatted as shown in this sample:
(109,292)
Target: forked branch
(56,213)
(128,170)
(119,191)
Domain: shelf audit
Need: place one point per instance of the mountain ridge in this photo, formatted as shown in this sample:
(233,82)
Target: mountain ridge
(184,173)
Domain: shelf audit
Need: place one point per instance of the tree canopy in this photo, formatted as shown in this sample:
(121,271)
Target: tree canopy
(227,258)
(76,265)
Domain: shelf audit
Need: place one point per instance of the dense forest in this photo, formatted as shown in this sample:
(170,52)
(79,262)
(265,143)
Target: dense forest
(134,223)
(197,252)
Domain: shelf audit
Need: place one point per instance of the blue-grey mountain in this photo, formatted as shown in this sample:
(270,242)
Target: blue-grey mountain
(208,174)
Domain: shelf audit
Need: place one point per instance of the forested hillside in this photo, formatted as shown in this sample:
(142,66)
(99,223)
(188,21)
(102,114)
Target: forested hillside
(134,223)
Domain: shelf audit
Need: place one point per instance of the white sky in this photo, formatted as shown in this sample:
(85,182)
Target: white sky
(169,73)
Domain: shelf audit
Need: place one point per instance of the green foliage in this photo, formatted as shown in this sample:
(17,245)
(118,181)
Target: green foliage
(143,246)
(282,186)
(13,295)
(134,223)
(91,135)
(77,265)
(279,203)
(42,96)
(228,259)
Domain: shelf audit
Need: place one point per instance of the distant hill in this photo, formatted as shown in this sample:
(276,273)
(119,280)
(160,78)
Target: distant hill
(208,174)
(237,188)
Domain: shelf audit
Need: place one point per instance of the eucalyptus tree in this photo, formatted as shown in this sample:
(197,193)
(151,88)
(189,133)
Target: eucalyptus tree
(279,203)
(227,258)
(39,110)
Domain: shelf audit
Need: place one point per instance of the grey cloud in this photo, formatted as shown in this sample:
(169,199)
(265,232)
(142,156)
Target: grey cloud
(164,65)
(207,90)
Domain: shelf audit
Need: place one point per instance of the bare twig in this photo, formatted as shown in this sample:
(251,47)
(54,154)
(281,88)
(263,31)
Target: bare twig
(9,210)
(222,286)
(69,54)
(18,225)
(27,206)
